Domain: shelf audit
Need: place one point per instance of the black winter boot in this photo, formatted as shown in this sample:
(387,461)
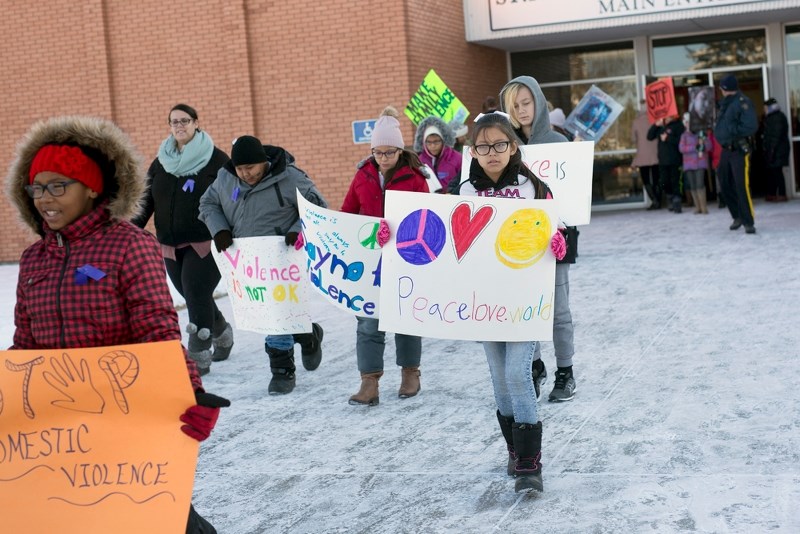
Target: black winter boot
(505,428)
(311,346)
(281,362)
(199,347)
(528,446)
(222,338)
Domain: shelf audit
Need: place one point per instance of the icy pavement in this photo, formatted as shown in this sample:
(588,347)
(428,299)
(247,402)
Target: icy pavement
(686,416)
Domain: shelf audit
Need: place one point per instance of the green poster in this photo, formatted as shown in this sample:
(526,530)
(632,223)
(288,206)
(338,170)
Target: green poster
(434,98)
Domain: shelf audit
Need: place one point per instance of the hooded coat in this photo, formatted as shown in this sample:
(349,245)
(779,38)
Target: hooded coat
(446,167)
(776,139)
(131,303)
(542,133)
(268,208)
(540,129)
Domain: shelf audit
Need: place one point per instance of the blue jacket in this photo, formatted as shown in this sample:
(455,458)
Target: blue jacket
(736,120)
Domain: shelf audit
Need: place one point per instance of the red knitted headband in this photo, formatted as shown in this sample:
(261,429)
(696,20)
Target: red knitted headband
(69,161)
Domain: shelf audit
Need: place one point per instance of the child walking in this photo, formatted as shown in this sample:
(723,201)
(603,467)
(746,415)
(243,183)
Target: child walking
(76,181)
(390,168)
(497,165)
(255,195)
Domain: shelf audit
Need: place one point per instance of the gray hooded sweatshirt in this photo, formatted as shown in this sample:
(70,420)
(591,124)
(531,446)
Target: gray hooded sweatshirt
(540,129)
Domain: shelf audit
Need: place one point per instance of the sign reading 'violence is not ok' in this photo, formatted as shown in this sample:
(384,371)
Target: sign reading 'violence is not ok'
(91,440)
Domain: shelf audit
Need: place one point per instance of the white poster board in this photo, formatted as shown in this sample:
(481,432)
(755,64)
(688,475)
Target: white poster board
(264,278)
(566,168)
(471,268)
(342,257)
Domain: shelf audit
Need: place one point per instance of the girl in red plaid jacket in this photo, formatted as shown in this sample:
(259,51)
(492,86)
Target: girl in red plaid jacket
(93,279)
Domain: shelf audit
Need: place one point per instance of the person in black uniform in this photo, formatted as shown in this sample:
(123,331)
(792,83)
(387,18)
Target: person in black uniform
(736,122)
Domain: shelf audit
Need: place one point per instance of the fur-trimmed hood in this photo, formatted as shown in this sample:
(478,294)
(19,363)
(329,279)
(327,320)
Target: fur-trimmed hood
(124,178)
(447,133)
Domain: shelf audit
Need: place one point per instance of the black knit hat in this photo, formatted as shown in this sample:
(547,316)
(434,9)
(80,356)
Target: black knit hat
(247,150)
(770,102)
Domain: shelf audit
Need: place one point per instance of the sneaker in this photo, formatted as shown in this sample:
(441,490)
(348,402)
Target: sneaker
(749,229)
(539,373)
(736,224)
(564,388)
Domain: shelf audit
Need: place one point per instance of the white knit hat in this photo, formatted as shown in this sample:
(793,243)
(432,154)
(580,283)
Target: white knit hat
(387,133)
(432,130)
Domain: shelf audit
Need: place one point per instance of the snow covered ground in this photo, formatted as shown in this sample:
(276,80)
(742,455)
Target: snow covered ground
(686,416)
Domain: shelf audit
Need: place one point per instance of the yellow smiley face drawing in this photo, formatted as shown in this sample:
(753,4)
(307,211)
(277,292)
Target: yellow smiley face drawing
(523,238)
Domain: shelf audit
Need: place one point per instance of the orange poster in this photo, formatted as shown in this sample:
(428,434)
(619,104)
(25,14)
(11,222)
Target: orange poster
(90,440)
(661,100)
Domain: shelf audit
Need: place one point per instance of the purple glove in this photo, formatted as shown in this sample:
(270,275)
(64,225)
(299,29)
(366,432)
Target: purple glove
(383,233)
(558,245)
(301,241)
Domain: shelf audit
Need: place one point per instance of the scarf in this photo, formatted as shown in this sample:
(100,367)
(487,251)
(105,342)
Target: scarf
(480,181)
(195,155)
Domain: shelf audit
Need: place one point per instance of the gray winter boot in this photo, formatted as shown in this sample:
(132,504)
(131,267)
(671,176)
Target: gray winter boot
(528,446)
(281,363)
(199,347)
(222,339)
(505,428)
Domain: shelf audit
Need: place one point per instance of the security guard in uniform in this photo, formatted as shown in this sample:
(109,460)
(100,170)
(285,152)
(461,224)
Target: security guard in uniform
(736,122)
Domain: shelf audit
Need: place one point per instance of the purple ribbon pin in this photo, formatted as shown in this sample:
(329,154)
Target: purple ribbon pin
(235,194)
(188,186)
(82,274)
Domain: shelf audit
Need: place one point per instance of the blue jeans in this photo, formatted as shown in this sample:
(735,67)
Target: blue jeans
(563,331)
(510,367)
(370,343)
(280,342)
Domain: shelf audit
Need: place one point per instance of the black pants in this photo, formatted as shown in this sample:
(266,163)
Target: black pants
(734,183)
(197,524)
(649,175)
(671,178)
(195,278)
(775,182)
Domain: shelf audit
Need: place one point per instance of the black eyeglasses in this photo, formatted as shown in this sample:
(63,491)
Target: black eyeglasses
(180,122)
(483,150)
(388,154)
(56,189)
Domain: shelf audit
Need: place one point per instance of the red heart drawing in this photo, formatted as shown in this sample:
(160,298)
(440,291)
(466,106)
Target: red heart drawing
(466,228)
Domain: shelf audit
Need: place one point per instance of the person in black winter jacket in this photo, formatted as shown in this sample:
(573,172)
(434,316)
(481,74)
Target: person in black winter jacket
(775,142)
(186,165)
(668,132)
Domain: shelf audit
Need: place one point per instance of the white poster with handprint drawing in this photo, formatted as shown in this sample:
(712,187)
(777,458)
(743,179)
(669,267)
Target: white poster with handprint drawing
(90,437)
(343,258)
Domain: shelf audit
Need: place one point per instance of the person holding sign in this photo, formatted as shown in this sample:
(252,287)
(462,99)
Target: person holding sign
(497,166)
(391,167)
(668,132)
(93,279)
(433,142)
(186,164)
(255,195)
(524,101)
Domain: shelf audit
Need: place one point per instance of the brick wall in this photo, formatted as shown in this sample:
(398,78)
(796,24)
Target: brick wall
(294,73)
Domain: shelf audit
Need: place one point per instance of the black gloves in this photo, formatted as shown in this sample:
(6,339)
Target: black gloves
(223,239)
(210,400)
(291,238)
